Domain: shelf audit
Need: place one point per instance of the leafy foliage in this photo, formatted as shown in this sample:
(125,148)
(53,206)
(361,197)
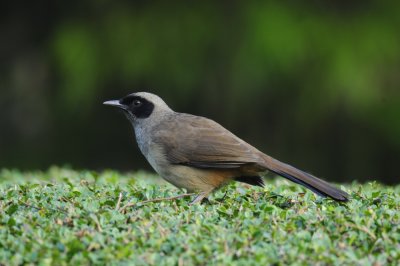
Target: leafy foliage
(309,81)
(62,217)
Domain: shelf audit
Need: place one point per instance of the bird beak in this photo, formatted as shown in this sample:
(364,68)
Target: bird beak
(115,103)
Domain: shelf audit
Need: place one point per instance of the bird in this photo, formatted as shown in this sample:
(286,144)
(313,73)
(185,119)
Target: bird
(198,154)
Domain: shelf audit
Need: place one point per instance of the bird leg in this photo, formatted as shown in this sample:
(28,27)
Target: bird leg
(201,196)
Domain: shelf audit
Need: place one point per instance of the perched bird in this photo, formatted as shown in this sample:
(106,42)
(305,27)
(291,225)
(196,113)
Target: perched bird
(200,155)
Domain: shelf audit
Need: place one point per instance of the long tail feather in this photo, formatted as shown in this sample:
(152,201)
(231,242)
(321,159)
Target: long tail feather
(309,181)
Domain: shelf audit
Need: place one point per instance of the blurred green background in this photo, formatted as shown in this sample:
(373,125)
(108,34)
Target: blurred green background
(312,83)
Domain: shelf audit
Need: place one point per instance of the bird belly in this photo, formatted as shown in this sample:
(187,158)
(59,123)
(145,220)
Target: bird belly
(194,179)
(190,178)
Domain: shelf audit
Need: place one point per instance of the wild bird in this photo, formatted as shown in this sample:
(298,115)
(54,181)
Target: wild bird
(200,155)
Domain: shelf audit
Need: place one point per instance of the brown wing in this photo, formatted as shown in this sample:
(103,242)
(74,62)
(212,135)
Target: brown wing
(203,143)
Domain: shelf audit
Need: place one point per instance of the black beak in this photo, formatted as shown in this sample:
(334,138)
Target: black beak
(115,103)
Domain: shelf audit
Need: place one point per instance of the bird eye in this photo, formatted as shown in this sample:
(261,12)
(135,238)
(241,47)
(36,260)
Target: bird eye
(137,103)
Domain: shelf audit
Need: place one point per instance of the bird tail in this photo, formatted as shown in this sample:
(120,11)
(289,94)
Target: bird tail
(309,181)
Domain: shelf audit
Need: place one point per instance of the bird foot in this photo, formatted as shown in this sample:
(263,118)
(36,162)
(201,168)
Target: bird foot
(201,198)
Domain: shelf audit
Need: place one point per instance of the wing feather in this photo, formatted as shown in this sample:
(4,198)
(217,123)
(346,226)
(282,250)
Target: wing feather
(203,143)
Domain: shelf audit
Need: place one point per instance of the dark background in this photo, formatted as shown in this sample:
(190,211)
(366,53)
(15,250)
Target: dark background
(312,83)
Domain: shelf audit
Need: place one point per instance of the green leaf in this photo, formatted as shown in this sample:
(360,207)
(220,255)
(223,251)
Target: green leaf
(12,209)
